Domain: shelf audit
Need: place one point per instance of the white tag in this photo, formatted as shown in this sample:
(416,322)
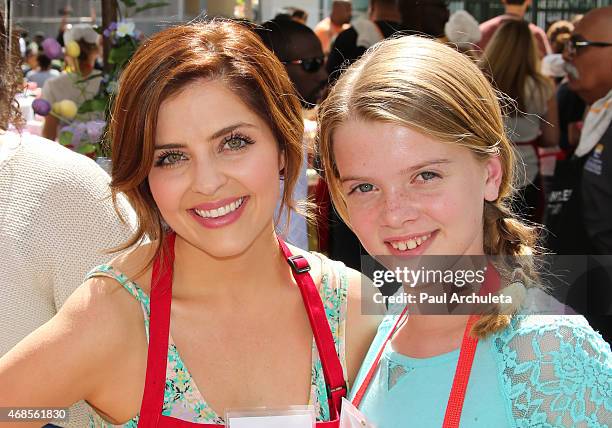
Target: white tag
(291,417)
(351,417)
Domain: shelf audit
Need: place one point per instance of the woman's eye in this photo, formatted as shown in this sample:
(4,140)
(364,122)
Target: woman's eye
(427,176)
(169,158)
(362,188)
(234,143)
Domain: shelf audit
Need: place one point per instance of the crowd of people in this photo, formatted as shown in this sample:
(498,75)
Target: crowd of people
(255,168)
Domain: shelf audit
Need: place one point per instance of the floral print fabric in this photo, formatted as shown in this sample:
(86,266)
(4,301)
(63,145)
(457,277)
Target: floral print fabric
(183,400)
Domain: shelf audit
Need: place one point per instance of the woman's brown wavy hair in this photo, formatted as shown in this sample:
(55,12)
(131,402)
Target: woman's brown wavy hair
(221,50)
(11,78)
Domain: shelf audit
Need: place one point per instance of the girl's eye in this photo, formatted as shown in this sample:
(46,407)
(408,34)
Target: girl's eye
(236,142)
(362,188)
(169,158)
(427,176)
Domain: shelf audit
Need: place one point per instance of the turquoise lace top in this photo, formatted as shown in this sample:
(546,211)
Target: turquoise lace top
(541,371)
(183,400)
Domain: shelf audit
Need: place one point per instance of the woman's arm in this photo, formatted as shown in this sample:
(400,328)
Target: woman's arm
(75,355)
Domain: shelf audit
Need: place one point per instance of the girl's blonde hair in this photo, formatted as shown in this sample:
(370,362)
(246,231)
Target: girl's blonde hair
(430,88)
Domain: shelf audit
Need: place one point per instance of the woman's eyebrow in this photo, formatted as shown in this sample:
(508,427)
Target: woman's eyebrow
(219,133)
(230,128)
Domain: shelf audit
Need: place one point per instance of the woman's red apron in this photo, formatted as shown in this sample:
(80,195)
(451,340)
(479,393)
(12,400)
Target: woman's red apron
(159,330)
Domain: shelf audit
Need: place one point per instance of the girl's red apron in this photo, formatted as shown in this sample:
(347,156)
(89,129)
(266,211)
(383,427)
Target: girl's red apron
(159,330)
(454,407)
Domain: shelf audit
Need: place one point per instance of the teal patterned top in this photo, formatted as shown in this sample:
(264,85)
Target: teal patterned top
(541,371)
(183,400)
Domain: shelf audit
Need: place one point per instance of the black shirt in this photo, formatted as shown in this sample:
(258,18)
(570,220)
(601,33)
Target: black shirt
(597,194)
(345,51)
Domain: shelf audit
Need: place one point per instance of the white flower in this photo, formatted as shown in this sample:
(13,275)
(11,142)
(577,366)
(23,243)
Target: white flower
(462,28)
(125,28)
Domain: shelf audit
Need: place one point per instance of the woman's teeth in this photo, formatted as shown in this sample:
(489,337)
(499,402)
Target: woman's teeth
(410,244)
(218,212)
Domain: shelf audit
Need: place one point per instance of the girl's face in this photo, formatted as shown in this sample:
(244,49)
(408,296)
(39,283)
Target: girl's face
(408,194)
(215,175)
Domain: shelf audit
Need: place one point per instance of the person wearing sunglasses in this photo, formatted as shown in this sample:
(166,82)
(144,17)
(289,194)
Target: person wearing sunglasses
(588,56)
(300,51)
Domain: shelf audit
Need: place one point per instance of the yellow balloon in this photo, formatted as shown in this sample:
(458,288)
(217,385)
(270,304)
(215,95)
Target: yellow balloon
(68,109)
(73,49)
(56,108)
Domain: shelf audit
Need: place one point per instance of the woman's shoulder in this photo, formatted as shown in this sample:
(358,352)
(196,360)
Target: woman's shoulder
(132,266)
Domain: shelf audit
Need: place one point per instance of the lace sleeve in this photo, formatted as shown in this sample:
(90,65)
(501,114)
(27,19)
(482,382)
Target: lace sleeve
(556,372)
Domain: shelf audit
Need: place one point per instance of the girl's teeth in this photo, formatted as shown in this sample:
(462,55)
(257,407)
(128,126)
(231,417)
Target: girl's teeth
(409,244)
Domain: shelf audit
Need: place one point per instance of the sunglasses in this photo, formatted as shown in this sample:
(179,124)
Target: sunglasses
(575,43)
(309,65)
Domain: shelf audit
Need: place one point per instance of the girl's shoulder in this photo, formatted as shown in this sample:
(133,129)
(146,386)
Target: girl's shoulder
(555,370)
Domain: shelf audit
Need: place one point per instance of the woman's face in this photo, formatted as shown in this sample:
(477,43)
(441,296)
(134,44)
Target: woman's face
(215,176)
(408,194)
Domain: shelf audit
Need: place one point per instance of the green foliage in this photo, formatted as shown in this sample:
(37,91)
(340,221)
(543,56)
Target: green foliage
(95,104)
(152,5)
(131,8)
(86,149)
(65,138)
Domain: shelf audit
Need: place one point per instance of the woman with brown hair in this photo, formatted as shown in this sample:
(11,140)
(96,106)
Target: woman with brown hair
(205,123)
(418,164)
(531,119)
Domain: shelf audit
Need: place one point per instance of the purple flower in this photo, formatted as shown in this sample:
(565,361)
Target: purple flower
(106,33)
(52,48)
(41,106)
(95,128)
(112,26)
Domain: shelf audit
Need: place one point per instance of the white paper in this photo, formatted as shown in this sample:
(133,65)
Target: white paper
(351,417)
(284,421)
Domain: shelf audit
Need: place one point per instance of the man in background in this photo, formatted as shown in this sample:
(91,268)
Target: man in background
(299,49)
(338,21)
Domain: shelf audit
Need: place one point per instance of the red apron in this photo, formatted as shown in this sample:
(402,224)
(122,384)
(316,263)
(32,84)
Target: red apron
(159,330)
(467,353)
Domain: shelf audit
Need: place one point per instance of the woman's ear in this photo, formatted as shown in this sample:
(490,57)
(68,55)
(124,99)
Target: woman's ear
(494,174)
(281,162)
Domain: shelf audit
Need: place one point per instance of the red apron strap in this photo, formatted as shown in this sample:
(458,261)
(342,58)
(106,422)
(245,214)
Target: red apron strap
(462,376)
(467,353)
(159,331)
(332,369)
(368,379)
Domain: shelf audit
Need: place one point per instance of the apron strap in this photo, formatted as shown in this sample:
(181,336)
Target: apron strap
(159,332)
(332,369)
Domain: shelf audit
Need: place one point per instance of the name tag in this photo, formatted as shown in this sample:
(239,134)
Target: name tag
(291,417)
(351,417)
